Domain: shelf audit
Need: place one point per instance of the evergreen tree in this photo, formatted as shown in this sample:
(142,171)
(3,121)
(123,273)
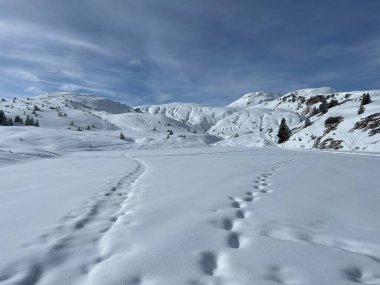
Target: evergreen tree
(122,137)
(171,132)
(18,119)
(361,109)
(283,132)
(3,118)
(366,99)
(9,122)
(36,124)
(88,128)
(323,108)
(28,121)
(333,103)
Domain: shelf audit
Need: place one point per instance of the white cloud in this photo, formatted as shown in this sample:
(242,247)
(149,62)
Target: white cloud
(36,35)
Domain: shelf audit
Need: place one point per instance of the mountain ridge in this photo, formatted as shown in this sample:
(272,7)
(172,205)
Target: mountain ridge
(248,122)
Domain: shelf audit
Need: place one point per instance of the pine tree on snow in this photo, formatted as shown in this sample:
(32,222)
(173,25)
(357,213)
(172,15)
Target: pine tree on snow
(366,99)
(3,118)
(283,132)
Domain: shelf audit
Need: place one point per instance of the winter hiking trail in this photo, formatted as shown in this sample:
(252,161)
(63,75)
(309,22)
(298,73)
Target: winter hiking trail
(242,206)
(73,249)
(182,239)
(218,216)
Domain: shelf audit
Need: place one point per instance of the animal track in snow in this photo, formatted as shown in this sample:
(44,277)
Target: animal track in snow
(236,205)
(208,262)
(283,275)
(227,224)
(240,214)
(358,275)
(80,230)
(233,240)
(248,199)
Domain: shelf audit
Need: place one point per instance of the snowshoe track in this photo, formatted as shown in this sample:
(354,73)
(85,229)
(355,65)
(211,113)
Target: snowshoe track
(262,183)
(80,230)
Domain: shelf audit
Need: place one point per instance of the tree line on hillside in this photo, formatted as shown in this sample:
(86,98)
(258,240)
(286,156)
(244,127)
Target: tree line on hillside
(7,121)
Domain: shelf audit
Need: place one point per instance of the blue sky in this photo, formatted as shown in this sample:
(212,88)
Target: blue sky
(204,51)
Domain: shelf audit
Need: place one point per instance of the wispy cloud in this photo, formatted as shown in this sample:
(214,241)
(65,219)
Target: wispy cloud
(203,51)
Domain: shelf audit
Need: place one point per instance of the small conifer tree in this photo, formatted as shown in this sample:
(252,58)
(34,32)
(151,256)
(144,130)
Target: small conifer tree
(366,99)
(361,109)
(18,119)
(323,108)
(3,118)
(283,132)
(122,137)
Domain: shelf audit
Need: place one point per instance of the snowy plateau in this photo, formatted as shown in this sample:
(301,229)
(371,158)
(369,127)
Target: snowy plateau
(105,193)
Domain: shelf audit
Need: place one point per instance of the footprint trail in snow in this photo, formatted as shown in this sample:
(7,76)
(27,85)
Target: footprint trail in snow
(209,260)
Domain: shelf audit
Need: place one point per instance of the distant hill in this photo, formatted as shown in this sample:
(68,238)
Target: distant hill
(252,120)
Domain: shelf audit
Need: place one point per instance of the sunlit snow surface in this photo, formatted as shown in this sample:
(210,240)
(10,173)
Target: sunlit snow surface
(84,207)
(216,215)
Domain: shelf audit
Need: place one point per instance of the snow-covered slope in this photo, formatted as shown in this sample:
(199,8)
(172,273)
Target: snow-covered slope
(354,133)
(255,98)
(199,116)
(227,122)
(85,101)
(222,215)
(253,121)
(171,204)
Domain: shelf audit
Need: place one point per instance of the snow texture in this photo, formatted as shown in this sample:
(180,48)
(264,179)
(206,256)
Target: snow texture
(216,202)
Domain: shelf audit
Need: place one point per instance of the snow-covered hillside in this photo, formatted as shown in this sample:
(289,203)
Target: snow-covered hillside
(346,134)
(249,121)
(192,194)
(255,98)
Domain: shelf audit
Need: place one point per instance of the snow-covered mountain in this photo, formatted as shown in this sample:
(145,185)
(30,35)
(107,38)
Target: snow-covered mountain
(252,120)
(254,98)
(163,207)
